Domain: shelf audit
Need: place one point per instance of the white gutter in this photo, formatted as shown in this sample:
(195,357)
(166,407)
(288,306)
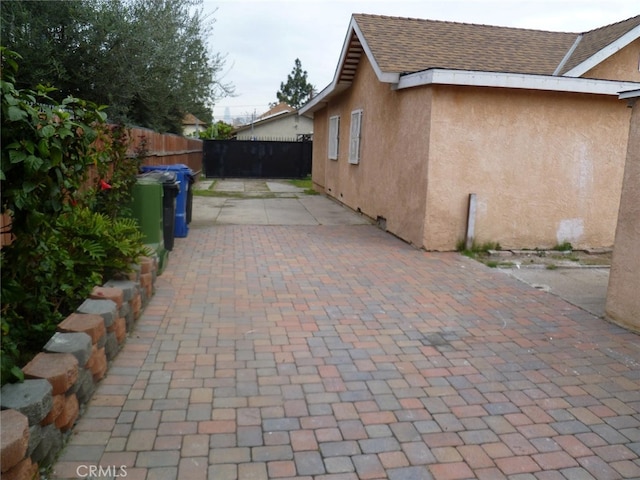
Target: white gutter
(629,94)
(514,80)
(605,53)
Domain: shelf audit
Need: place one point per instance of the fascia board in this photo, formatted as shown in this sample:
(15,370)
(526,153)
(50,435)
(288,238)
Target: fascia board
(629,94)
(386,77)
(605,53)
(515,80)
(319,99)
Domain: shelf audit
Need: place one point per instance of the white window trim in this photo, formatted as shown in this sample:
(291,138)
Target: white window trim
(355,134)
(334,137)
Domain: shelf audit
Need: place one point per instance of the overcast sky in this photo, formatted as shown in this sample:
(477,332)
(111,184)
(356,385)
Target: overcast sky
(262,38)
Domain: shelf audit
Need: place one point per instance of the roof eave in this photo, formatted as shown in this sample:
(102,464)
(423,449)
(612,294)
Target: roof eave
(515,80)
(336,86)
(603,54)
(630,95)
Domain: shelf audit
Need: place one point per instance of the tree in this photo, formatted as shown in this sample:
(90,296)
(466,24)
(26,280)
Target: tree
(216,131)
(297,90)
(146,59)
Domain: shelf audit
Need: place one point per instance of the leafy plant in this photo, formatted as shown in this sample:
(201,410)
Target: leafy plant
(477,249)
(62,246)
(113,186)
(217,131)
(563,247)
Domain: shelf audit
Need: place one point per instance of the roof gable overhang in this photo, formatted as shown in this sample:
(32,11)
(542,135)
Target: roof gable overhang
(604,53)
(514,80)
(355,45)
(352,49)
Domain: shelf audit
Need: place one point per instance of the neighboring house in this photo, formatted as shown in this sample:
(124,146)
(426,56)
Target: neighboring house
(191,125)
(420,114)
(282,123)
(623,301)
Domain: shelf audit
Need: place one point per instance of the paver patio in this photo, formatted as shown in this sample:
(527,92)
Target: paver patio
(341,353)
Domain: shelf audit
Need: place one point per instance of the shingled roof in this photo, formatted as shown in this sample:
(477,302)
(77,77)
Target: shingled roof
(405,45)
(594,41)
(406,52)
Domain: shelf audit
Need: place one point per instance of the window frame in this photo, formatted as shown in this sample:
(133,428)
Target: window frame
(334,137)
(355,136)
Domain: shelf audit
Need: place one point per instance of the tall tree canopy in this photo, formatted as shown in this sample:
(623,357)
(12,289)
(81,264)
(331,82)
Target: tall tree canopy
(146,59)
(297,90)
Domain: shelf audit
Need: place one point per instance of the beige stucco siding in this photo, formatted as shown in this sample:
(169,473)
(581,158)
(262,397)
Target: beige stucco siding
(285,128)
(623,301)
(546,167)
(389,182)
(319,152)
(624,65)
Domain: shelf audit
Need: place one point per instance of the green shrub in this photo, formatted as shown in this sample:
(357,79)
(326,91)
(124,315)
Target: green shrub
(563,247)
(68,238)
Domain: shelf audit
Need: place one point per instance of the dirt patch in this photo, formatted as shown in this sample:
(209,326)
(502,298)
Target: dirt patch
(546,258)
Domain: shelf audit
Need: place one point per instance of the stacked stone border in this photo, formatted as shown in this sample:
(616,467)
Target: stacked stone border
(38,415)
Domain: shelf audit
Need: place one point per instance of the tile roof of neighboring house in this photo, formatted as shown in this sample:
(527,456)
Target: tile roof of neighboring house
(401,48)
(279,108)
(262,119)
(405,45)
(190,119)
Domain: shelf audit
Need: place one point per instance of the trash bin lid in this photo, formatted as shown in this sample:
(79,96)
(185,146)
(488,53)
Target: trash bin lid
(176,167)
(164,177)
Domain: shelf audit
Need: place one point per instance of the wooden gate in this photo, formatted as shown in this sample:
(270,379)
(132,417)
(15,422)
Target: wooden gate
(256,159)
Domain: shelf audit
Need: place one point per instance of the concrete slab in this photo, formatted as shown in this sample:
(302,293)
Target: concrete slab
(329,212)
(283,187)
(229,186)
(583,287)
(290,206)
(246,211)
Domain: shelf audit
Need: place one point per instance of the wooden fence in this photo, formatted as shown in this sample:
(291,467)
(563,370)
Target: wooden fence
(162,149)
(169,149)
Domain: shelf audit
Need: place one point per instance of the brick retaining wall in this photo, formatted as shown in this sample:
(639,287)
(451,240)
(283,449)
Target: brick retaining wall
(37,415)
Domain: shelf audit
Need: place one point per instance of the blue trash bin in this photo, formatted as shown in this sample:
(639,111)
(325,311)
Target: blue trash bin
(183,174)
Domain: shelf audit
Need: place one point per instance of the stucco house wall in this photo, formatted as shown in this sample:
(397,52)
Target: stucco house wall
(623,302)
(624,65)
(546,167)
(389,182)
(545,161)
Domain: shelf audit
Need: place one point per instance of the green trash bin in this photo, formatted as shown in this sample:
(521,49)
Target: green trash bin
(147,209)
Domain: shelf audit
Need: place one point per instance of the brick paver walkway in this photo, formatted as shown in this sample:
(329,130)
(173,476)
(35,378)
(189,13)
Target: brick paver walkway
(341,353)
